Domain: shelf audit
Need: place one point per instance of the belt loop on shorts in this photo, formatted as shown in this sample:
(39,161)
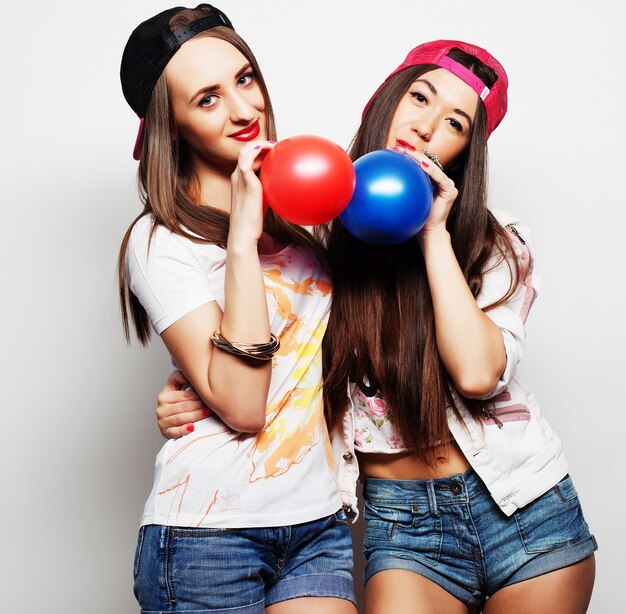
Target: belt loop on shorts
(432,498)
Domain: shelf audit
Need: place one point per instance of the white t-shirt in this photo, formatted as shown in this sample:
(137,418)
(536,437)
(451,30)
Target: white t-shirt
(217,477)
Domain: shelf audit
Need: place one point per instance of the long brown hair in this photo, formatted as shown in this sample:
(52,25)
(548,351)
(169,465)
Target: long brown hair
(382,327)
(169,189)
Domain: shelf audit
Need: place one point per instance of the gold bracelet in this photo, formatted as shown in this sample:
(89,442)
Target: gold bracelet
(258,351)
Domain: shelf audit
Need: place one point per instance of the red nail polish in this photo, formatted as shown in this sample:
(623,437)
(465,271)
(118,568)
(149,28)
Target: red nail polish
(207,412)
(191,428)
(425,164)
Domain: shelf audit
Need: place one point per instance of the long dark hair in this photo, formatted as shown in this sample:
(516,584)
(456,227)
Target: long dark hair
(168,186)
(382,327)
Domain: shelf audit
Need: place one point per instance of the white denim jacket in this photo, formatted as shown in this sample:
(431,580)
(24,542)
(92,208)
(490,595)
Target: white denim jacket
(511,447)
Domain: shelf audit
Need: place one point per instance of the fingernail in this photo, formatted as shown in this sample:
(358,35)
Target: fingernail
(191,428)
(425,164)
(207,412)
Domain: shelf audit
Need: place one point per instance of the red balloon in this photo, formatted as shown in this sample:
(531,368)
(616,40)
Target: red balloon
(307,180)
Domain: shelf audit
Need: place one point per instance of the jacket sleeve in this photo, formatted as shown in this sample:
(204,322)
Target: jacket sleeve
(511,316)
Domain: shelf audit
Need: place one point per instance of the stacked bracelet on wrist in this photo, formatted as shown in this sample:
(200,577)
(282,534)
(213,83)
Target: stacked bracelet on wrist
(258,351)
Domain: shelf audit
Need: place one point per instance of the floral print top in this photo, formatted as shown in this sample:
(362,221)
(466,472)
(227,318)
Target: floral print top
(373,426)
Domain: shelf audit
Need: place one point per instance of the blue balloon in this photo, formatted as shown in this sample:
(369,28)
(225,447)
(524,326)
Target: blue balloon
(391,201)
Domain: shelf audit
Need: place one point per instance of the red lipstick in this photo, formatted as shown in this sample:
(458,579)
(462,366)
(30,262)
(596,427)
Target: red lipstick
(248,133)
(402,143)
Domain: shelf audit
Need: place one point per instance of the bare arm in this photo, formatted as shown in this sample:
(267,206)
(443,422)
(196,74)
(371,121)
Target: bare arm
(233,387)
(470,344)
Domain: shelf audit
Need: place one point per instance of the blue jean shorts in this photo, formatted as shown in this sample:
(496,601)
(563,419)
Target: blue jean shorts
(452,532)
(241,571)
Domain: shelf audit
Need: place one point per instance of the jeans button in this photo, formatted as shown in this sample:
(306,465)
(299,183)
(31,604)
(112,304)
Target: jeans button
(456,488)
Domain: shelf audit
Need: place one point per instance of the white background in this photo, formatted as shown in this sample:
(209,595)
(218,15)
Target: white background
(79,435)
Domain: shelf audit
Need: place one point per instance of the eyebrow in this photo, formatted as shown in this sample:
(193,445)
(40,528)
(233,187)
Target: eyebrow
(212,88)
(433,89)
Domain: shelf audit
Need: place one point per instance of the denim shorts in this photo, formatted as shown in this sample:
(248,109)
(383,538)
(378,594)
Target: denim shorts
(452,532)
(241,571)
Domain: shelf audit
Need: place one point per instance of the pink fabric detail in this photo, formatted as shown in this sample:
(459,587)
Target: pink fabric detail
(499,398)
(464,74)
(531,292)
(526,272)
(377,407)
(139,141)
(529,297)
(511,413)
(515,412)
(373,428)
(359,441)
(396,443)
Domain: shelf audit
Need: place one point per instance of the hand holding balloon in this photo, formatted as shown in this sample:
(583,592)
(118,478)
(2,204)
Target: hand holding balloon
(445,192)
(392,198)
(307,180)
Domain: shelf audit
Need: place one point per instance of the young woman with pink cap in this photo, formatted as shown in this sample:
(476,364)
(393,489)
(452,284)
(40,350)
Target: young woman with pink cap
(468,500)
(241,301)
(467,495)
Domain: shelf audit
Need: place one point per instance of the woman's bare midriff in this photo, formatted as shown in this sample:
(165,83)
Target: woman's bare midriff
(448,460)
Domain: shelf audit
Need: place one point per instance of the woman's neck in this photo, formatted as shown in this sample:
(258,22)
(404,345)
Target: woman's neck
(214,187)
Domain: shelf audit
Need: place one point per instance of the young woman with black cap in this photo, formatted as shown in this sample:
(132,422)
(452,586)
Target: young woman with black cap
(241,301)
(468,501)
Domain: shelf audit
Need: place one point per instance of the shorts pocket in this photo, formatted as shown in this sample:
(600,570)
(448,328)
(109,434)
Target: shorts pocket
(138,550)
(410,532)
(552,521)
(213,568)
(383,520)
(565,489)
(148,584)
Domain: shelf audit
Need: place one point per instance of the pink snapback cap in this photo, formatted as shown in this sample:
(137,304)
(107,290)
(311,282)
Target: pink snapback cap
(436,52)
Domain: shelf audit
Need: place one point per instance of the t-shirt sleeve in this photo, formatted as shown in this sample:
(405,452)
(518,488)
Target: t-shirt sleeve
(165,275)
(511,316)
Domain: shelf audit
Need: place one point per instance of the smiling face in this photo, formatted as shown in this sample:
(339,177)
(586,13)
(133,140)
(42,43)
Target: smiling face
(436,114)
(216,100)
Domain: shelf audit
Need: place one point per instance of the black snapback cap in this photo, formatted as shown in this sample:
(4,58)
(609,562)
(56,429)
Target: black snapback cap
(152,45)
